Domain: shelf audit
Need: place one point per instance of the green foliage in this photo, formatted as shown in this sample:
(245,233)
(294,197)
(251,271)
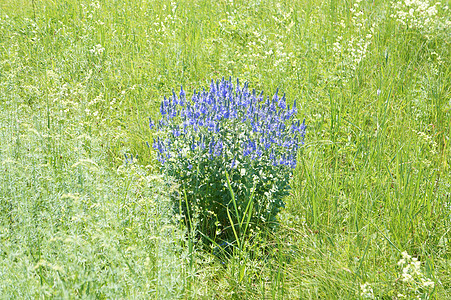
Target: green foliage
(229,129)
(79,78)
(71,227)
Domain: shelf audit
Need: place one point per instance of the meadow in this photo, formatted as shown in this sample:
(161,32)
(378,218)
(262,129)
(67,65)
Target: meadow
(369,210)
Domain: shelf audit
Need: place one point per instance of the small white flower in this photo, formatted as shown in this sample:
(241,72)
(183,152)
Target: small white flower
(405,255)
(416,266)
(367,291)
(97,49)
(406,277)
(428,283)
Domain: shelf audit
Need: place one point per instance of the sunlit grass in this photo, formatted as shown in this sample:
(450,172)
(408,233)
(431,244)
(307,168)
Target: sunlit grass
(79,79)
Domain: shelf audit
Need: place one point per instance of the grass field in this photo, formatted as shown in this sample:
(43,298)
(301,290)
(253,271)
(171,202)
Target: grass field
(369,215)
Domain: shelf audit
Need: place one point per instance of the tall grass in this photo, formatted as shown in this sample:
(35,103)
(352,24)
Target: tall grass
(78,80)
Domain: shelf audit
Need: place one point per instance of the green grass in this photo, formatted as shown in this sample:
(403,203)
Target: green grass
(78,80)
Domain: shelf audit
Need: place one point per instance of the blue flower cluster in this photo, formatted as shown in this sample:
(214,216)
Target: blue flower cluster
(229,122)
(229,130)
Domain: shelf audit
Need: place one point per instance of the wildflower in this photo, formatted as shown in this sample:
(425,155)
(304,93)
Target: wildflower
(412,276)
(97,49)
(406,277)
(219,129)
(209,111)
(429,283)
(367,291)
(405,255)
(420,15)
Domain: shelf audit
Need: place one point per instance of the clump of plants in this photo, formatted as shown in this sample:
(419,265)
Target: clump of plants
(233,152)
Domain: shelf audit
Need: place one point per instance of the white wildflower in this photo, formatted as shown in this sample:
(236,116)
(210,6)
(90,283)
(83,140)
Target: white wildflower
(428,283)
(405,255)
(367,291)
(97,49)
(406,277)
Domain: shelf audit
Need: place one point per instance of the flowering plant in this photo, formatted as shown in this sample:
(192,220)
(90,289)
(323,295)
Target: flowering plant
(422,15)
(229,133)
(412,281)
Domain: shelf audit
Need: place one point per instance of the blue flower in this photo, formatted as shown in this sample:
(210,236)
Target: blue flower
(233,164)
(182,97)
(218,148)
(216,129)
